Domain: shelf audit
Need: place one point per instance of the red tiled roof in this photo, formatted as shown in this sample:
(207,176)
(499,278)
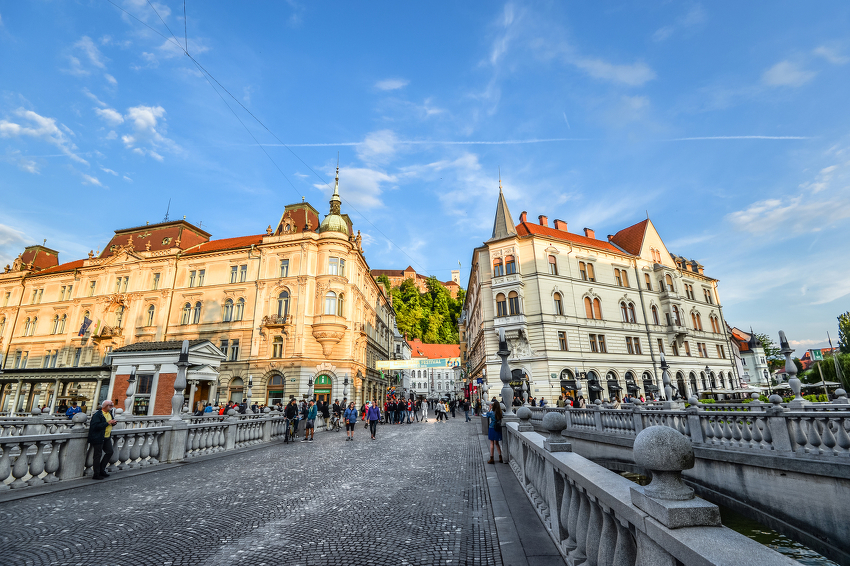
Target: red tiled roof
(40,257)
(161,236)
(387,272)
(225,244)
(432,351)
(527,228)
(631,238)
(742,338)
(70,266)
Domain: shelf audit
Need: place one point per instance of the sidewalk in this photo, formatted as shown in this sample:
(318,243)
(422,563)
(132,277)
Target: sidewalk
(523,540)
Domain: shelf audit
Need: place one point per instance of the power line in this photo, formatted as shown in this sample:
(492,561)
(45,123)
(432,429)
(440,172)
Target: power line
(211,76)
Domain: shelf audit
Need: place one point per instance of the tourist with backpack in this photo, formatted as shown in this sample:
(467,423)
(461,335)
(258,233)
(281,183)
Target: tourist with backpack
(350,418)
(494,433)
(373,415)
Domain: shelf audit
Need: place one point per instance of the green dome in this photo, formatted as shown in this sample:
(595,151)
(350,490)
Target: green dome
(334,223)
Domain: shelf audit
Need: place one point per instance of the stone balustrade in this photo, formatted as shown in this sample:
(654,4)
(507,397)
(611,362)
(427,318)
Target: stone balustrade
(598,517)
(37,449)
(803,432)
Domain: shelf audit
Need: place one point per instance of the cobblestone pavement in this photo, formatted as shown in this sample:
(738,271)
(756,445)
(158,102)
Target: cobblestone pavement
(415,496)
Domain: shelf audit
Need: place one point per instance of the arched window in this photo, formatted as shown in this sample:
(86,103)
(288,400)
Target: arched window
(340,303)
(566,374)
(655,315)
(597,309)
(624,309)
(55,327)
(588,307)
(697,321)
(196,319)
(669,281)
(239,312)
(276,380)
(227,313)
(553,265)
(676,317)
(277,347)
(330,302)
(632,317)
(513,302)
(498,268)
(283,304)
(510,265)
(151,312)
(501,305)
(559,306)
(187,314)
(722,380)
(702,378)
(62,324)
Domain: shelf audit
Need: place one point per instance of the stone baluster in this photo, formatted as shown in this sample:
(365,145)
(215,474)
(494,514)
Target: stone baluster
(572,516)
(597,415)
(145,452)
(52,465)
(37,464)
(136,449)
(578,554)
(21,467)
(155,448)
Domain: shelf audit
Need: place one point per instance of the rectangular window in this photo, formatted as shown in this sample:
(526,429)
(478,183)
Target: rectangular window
(660,346)
(92,286)
(342,267)
(6,299)
(637,347)
(118,285)
(24,359)
(234,350)
(602,348)
(234,273)
(62,293)
(687,349)
(34,296)
(629,345)
(45,362)
(223,347)
(145,384)
(562,341)
(77,355)
(675,347)
(720,353)
(333,266)
(192,275)
(582,267)
(155,281)
(648,281)
(126,283)
(284,268)
(594,346)
(243,273)
(53,358)
(201,274)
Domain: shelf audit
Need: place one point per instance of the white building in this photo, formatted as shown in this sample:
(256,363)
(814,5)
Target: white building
(750,359)
(596,312)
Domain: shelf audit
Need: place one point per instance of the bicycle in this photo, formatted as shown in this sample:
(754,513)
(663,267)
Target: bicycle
(335,424)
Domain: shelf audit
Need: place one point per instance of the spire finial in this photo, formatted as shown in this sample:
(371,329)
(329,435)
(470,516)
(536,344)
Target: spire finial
(500,179)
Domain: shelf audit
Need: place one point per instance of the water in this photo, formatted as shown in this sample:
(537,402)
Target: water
(759,533)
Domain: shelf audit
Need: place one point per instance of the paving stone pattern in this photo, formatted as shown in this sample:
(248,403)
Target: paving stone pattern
(415,496)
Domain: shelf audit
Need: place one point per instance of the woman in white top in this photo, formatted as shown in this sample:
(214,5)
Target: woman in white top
(425,411)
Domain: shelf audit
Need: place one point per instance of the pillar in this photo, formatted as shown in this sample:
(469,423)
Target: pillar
(192,385)
(96,400)
(55,396)
(17,395)
(2,394)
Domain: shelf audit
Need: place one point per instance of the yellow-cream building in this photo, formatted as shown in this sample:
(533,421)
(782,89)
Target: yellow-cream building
(290,308)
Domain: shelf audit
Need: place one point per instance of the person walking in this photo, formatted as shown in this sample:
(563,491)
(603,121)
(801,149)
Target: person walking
(425,410)
(291,414)
(310,426)
(452,407)
(373,415)
(100,431)
(350,418)
(494,433)
(466,410)
(72,410)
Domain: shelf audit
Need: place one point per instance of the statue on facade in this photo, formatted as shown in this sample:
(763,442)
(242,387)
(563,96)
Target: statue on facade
(18,263)
(269,230)
(358,241)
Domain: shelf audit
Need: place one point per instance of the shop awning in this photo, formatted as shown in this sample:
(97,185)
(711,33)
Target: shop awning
(632,386)
(649,386)
(568,384)
(614,386)
(594,386)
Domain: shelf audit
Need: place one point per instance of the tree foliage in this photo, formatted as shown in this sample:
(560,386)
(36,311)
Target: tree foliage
(771,351)
(430,316)
(385,281)
(827,368)
(844,333)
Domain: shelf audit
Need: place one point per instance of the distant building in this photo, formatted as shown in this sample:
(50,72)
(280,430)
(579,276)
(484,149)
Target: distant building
(436,382)
(750,358)
(397,277)
(815,355)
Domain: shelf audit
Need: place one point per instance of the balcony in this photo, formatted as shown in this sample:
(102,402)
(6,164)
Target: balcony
(513,322)
(108,332)
(277,321)
(678,332)
(506,281)
(328,330)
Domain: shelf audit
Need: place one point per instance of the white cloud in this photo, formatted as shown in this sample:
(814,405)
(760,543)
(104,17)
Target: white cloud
(27,165)
(831,54)
(89,180)
(111,116)
(695,16)
(110,171)
(98,101)
(633,75)
(112,135)
(128,179)
(392,84)
(362,187)
(12,243)
(90,50)
(42,128)
(148,123)
(787,73)
(377,147)
(150,62)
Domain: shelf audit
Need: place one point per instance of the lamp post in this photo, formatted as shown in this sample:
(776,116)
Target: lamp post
(310,389)
(345,388)
(767,379)
(248,395)
(180,381)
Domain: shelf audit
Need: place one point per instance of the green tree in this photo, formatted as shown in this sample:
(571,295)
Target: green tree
(771,350)
(844,333)
(827,367)
(799,365)
(430,316)
(383,279)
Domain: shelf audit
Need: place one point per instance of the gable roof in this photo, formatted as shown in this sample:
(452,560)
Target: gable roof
(631,238)
(529,229)
(418,349)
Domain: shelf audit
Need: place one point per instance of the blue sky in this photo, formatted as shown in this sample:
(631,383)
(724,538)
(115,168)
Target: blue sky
(727,122)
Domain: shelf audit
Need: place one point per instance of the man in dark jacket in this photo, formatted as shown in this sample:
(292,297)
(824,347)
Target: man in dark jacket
(100,431)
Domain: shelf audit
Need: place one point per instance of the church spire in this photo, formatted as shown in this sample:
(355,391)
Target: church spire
(335,200)
(503,225)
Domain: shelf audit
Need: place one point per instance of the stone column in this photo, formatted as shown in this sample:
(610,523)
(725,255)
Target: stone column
(17,396)
(96,400)
(192,386)
(505,375)
(2,394)
(55,396)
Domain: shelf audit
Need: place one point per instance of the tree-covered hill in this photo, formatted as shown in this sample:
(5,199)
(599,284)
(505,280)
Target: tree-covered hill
(430,316)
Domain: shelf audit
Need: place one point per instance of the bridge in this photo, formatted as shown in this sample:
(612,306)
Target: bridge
(786,465)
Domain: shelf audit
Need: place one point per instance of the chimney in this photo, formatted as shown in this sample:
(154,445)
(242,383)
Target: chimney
(522,216)
(561,225)
(589,233)
(544,221)
(610,237)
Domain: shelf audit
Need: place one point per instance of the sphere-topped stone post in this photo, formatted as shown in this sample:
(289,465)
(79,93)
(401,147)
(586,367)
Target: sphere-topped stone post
(791,369)
(505,373)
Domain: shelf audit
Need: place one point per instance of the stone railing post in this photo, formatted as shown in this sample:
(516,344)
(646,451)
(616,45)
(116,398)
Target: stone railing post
(555,423)
(524,414)
(173,447)
(72,456)
(666,452)
(841,397)
(694,425)
(778,425)
(35,423)
(597,415)
(637,415)
(266,424)
(232,429)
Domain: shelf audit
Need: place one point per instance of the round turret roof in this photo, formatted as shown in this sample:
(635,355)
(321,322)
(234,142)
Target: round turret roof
(334,223)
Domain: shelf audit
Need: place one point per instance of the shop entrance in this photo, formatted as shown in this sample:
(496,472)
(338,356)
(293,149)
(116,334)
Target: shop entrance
(322,388)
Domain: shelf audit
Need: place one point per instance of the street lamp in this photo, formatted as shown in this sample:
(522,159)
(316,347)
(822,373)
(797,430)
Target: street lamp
(310,388)
(710,380)
(345,388)
(248,396)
